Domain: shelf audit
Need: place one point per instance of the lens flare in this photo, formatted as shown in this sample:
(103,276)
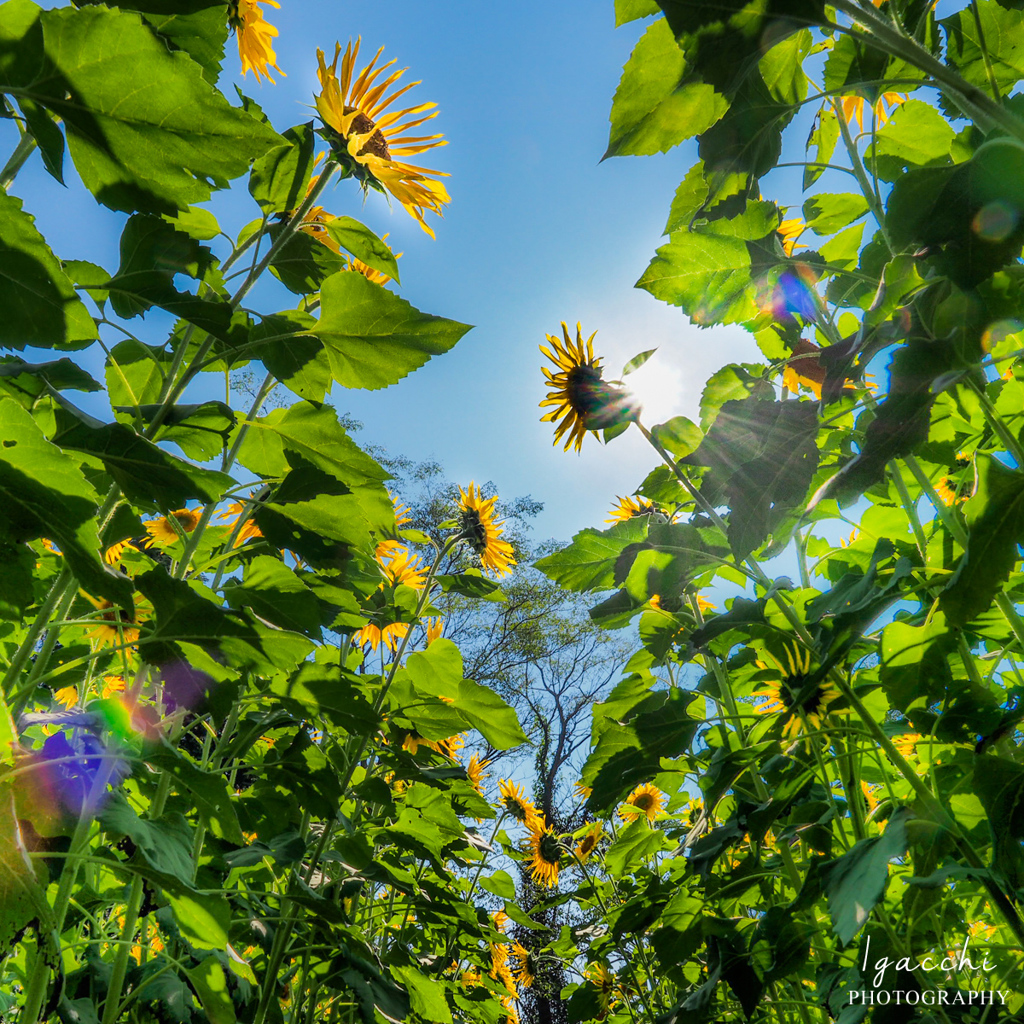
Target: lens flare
(995,221)
(793,295)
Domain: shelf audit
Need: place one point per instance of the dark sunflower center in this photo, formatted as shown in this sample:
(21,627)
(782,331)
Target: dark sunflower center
(644,802)
(377,144)
(474,530)
(792,687)
(548,849)
(589,842)
(585,389)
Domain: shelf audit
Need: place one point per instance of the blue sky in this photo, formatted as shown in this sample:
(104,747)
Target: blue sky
(539,230)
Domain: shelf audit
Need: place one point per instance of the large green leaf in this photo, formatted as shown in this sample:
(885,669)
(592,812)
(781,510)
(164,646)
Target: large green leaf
(707,275)
(995,524)
(588,563)
(279,178)
(40,305)
(362,243)
(856,882)
(43,493)
(144,471)
(985,38)
(276,594)
(375,338)
(915,136)
(145,129)
(152,253)
(657,105)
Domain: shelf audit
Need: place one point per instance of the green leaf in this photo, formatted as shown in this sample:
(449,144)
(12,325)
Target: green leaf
(782,67)
(19,562)
(145,472)
(855,882)
(297,359)
(135,373)
(152,253)
(276,594)
(211,985)
(636,362)
(200,431)
(61,374)
(203,922)
(679,436)
(823,138)
(150,141)
(656,105)
(426,995)
(195,222)
(304,263)
(915,661)
(209,790)
(166,844)
(636,842)
(916,135)
(43,493)
(199,27)
(500,883)
(825,213)
(362,243)
(588,563)
(279,178)
(707,275)
(22,898)
(375,338)
(39,302)
(631,10)
(471,583)
(997,42)
(48,136)
(995,526)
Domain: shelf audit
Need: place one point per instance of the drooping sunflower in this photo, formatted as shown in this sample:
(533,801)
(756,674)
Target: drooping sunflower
(255,37)
(545,856)
(482,531)
(514,802)
(581,790)
(906,743)
(852,108)
(398,566)
(645,799)
(588,842)
(581,398)
(434,628)
(788,697)
(113,554)
(790,232)
(163,532)
(372,141)
(629,508)
(500,970)
(525,969)
(67,695)
(475,772)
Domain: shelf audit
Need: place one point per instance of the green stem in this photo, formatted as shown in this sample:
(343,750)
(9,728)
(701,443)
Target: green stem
(43,616)
(24,149)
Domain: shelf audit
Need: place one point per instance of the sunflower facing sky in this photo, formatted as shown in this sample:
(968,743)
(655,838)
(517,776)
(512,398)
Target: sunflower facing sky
(545,856)
(786,696)
(162,530)
(255,37)
(582,400)
(371,140)
(483,531)
(645,799)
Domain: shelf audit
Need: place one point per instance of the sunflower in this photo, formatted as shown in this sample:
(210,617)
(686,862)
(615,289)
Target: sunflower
(588,842)
(906,743)
(646,799)
(398,566)
(475,771)
(500,920)
(501,971)
(249,529)
(525,970)
(479,527)
(869,789)
(628,508)
(545,856)
(693,812)
(67,695)
(852,108)
(255,37)
(514,802)
(607,990)
(163,532)
(450,746)
(371,142)
(511,1013)
(581,398)
(581,790)
(785,696)
(391,546)
(113,623)
(113,554)
(433,628)
(790,231)
(946,489)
